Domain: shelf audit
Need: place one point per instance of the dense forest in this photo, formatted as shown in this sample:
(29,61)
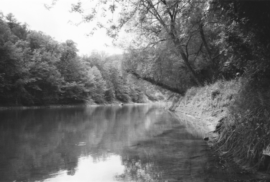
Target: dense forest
(37,70)
(177,44)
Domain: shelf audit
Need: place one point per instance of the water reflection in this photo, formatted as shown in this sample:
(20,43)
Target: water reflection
(99,144)
(37,144)
(174,155)
(90,170)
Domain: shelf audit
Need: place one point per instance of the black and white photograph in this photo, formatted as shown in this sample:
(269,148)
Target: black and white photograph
(134,90)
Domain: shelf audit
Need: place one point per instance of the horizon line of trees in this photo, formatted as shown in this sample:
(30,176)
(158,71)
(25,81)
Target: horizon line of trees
(37,70)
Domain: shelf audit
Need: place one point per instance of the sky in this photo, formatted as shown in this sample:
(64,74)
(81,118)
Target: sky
(59,23)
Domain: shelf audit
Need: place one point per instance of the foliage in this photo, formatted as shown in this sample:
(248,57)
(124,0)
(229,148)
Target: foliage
(160,66)
(245,135)
(180,23)
(177,44)
(178,52)
(180,44)
(245,37)
(245,40)
(211,100)
(237,46)
(37,70)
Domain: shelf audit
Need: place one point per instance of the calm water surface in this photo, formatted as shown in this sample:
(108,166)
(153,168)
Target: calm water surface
(100,144)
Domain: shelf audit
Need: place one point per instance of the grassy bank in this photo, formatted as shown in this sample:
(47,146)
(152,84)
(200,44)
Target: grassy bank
(239,110)
(209,103)
(245,134)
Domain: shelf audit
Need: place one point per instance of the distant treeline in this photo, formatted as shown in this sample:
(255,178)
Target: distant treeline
(37,70)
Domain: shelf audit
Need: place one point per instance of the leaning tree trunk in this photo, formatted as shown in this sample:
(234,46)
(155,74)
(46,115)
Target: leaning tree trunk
(171,30)
(208,50)
(180,52)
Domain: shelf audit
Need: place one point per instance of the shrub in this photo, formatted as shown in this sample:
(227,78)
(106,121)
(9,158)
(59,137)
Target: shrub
(191,92)
(247,131)
(214,94)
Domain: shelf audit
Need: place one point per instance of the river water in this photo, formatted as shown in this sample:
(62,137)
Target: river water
(101,144)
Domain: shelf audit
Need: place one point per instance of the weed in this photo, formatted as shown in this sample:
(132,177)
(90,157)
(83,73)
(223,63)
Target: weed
(246,134)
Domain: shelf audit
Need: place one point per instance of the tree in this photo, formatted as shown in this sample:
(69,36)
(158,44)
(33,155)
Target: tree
(158,20)
(100,86)
(36,70)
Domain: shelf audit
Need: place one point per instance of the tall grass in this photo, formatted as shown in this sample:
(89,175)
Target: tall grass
(210,100)
(244,106)
(246,132)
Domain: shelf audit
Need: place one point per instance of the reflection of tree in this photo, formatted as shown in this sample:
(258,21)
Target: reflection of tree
(37,143)
(136,170)
(173,155)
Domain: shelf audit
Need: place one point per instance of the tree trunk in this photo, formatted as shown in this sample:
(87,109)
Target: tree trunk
(209,53)
(171,30)
(205,43)
(154,82)
(182,54)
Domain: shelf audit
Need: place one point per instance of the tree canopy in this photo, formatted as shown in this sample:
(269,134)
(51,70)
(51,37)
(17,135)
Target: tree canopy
(37,70)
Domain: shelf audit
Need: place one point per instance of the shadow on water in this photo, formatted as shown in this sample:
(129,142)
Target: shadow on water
(131,143)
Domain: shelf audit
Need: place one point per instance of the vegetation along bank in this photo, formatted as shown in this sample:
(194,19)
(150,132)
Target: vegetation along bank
(212,56)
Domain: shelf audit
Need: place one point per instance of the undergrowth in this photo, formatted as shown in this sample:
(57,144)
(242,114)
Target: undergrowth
(243,107)
(246,133)
(210,100)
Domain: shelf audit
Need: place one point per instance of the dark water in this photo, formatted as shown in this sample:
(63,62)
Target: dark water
(101,144)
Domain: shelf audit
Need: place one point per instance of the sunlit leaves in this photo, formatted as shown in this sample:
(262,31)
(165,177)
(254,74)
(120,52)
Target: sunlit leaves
(35,70)
(77,7)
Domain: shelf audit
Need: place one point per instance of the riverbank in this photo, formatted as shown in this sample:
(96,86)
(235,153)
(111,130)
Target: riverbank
(208,105)
(210,108)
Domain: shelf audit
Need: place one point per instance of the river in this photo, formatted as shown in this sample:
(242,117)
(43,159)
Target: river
(102,144)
